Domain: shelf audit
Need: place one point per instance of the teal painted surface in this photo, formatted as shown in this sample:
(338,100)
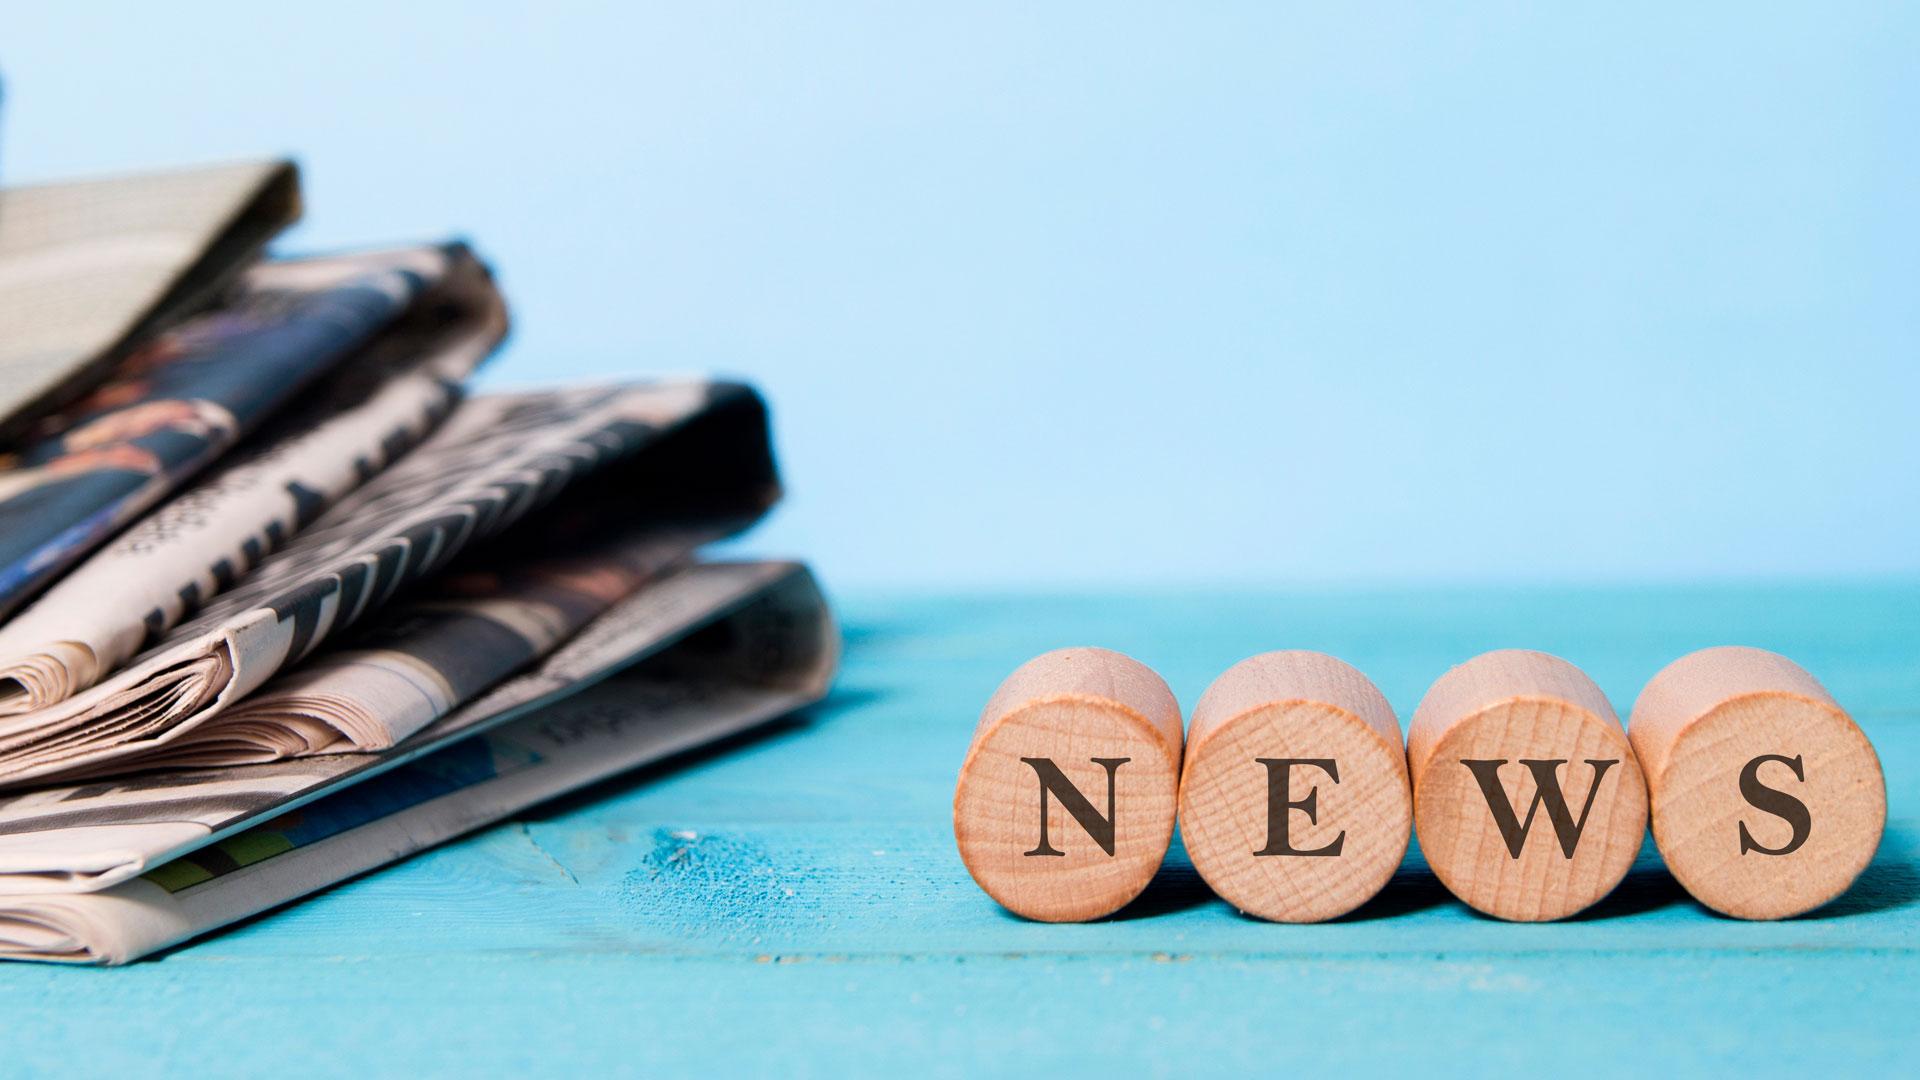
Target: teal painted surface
(795,904)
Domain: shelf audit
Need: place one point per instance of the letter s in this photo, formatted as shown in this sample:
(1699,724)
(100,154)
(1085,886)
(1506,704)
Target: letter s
(1778,803)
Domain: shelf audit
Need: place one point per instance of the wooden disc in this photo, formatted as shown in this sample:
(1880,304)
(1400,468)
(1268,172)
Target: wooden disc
(1065,804)
(1767,798)
(1493,831)
(1294,803)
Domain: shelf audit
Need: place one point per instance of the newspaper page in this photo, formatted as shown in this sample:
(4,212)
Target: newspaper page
(89,836)
(686,445)
(460,634)
(87,266)
(356,421)
(681,698)
(184,397)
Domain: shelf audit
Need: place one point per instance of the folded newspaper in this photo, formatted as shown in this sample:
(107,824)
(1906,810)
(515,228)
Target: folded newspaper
(87,266)
(280,602)
(185,396)
(727,646)
(680,462)
(351,424)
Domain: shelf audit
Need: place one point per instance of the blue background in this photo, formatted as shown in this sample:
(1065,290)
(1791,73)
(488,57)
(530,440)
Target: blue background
(1077,295)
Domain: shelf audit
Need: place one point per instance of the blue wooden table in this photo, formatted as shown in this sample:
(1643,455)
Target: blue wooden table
(794,903)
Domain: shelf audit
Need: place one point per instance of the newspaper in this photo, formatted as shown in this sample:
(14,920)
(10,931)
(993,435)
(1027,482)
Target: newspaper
(88,266)
(381,402)
(85,837)
(775,654)
(682,446)
(187,395)
(417,661)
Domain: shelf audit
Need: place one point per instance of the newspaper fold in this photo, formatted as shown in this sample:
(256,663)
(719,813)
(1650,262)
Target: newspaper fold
(187,395)
(767,654)
(688,447)
(380,403)
(87,266)
(496,612)
(87,837)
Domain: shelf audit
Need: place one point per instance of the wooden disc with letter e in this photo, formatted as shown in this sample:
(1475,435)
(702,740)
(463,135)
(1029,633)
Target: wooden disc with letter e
(1527,799)
(1294,803)
(1767,798)
(1065,804)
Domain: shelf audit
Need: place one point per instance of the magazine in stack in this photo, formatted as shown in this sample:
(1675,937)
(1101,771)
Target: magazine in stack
(280,602)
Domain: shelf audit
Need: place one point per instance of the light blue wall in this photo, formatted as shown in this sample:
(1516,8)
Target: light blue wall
(1071,294)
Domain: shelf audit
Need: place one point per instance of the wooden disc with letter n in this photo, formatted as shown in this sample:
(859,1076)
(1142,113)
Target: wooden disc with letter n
(1527,799)
(1293,800)
(1768,800)
(1065,804)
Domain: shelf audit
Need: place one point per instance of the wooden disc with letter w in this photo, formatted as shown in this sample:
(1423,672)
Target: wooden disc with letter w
(1065,804)
(1528,802)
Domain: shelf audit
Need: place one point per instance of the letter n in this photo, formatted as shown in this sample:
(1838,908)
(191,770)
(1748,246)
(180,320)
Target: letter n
(1054,782)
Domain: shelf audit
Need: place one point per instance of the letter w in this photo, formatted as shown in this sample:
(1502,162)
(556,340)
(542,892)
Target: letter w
(1546,782)
(1053,781)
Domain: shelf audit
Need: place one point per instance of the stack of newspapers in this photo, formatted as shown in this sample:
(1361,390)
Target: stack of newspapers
(280,603)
